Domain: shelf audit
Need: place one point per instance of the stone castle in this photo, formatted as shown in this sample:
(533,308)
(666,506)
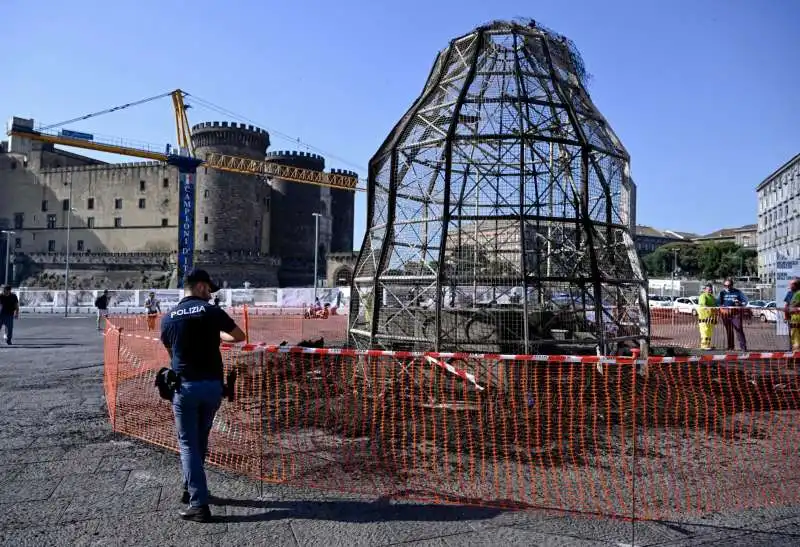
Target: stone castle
(123,218)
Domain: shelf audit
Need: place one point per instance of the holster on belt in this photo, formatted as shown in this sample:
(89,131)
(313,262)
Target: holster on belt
(167,382)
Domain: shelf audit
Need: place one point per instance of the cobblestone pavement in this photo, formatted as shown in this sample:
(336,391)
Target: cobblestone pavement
(66,479)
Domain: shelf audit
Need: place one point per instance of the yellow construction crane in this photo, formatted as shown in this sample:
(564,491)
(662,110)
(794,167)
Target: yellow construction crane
(186,162)
(223,162)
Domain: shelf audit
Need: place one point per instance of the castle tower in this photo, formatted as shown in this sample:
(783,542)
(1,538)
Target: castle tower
(232,210)
(342,212)
(293,224)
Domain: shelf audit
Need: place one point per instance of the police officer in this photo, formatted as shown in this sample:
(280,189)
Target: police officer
(192,332)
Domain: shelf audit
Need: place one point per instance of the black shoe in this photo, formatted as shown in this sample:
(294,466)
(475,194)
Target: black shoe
(196,514)
(185,497)
(8,342)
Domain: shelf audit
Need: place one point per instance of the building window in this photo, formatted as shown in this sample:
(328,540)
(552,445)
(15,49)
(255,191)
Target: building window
(90,203)
(51,221)
(205,220)
(118,222)
(80,245)
(18,243)
(44,205)
(142,185)
(164,222)
(19,220)
(65,205)
(205,193)
(165,183)
(51,246)
(205,237)
(90,222)
(142,203)
(118,203)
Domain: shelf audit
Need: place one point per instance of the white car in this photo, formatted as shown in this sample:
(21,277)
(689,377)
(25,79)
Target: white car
(685,304)
(769,313)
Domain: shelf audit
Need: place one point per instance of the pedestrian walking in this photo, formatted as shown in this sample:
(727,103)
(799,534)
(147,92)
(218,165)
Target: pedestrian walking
(732,302)
(9,311)
(101,303)
(153,307)
(191,332)
(706,316)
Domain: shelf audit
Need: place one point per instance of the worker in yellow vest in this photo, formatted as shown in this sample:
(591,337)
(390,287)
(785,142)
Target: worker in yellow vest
(794,315)
(706,315)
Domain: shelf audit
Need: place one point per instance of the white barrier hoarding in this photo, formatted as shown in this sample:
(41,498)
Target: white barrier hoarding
(132,301)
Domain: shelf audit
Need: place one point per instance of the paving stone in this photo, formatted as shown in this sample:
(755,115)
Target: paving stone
(157,524)
(33,513)
(9,472)
(275,533)
(92,505)
(31,455)
(27,490)
(129,462)
(57,468)
(94,483)
(76,534)
(15,443)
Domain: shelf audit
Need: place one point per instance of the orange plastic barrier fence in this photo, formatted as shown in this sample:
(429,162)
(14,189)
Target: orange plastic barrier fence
(259,327)
(659,438)
(681,328)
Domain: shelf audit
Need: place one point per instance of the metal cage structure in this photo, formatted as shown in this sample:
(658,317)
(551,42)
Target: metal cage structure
(501,210)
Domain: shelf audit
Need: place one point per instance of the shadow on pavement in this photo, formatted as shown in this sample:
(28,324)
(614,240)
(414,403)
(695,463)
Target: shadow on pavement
(352,511)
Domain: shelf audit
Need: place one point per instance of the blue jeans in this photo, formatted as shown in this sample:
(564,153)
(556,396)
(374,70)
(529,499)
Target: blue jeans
(7,321)
(195,405)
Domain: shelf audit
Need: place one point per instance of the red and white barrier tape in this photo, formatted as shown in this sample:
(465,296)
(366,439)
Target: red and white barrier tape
(585,359)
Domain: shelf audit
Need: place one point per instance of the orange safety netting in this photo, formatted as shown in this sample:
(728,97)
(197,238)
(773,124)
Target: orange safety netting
(272,327)
(650,439)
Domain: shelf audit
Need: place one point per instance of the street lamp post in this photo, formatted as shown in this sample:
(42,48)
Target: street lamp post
(66,265)
(7,274)
(316,251)
(674,267)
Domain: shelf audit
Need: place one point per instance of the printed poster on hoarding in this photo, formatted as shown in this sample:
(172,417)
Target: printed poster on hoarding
(785,271)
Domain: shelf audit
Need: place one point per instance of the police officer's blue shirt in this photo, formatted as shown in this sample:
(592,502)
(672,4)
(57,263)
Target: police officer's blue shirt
(732,297)
(191,330)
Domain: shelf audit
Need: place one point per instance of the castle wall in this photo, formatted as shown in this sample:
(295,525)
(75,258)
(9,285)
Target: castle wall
(140,198)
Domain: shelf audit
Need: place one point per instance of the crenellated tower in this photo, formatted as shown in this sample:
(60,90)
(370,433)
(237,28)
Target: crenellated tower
(232,208)
(292,220)
(342,213)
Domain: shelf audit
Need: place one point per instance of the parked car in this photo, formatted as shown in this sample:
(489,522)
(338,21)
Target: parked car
(768,313)
(655,301)
(756,303)
(685,304)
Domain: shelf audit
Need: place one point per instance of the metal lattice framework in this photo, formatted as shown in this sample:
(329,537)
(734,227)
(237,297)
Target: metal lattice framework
(501,209)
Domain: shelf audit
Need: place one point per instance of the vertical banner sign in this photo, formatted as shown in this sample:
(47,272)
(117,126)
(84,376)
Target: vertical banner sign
(186,225)
(785,271)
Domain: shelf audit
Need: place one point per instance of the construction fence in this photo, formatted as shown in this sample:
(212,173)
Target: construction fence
(668,327)
(655,438)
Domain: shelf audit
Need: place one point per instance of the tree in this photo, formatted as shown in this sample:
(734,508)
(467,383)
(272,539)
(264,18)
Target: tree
(710,260)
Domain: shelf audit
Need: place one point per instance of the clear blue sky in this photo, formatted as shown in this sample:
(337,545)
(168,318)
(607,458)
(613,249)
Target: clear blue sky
(705,95)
